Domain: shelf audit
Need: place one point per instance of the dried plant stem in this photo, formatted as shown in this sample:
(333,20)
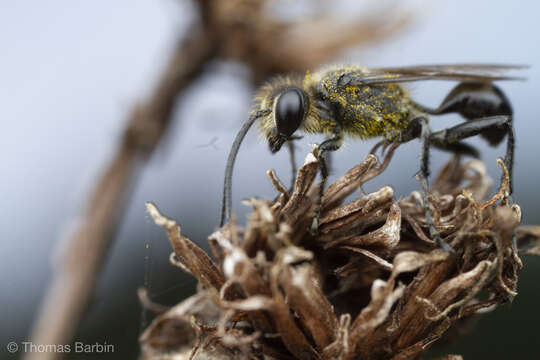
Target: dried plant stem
(75,276)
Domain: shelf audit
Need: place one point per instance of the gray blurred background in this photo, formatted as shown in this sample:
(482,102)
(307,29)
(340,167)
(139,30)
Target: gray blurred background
(71,70)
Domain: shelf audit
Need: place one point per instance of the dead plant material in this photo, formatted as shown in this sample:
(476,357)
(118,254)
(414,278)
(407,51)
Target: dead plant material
(371,285)
(242,30)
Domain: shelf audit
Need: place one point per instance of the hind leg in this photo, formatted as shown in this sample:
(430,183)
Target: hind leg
(448,138)
(488,113)
(423,176)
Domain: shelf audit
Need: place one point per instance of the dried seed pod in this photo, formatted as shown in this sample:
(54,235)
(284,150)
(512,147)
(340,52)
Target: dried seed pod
(372,284)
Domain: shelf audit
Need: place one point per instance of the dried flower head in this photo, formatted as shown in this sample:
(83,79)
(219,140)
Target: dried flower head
(371,285)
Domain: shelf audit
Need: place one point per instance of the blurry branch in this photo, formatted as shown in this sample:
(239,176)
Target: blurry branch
(75,278)
(237,29)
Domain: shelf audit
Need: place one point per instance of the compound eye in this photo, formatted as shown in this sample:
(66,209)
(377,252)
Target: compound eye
(289,111)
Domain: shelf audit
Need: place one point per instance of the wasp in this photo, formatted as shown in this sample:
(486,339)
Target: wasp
(364,103)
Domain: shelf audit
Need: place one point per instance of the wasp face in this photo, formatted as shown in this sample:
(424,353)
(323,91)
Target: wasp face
(289,112)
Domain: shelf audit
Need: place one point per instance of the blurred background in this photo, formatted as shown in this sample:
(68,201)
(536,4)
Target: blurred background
(70,73)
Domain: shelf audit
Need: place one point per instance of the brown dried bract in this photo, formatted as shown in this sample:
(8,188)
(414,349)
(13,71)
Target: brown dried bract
(371,285)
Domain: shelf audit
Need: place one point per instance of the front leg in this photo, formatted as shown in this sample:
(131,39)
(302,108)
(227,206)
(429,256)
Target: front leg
(292,160)
(331,144)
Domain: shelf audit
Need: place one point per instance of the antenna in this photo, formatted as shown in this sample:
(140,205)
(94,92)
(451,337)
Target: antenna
(226,203)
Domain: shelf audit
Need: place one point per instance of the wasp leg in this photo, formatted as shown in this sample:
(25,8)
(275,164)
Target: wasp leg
(476,101)
(425,137)
(449,137)
(331,144)
(458,147)
(292,159)
(384,143)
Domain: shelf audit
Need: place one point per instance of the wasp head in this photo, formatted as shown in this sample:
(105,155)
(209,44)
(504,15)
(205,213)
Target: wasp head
(288,114)
(288,104)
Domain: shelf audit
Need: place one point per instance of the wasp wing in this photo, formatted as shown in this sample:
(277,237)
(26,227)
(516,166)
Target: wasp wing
(454,72)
